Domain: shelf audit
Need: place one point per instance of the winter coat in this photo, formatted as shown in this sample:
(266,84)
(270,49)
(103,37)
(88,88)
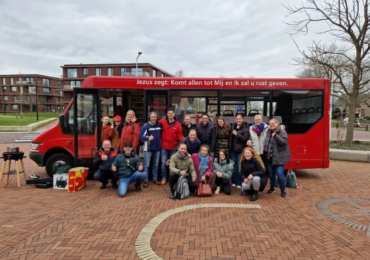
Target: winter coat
(206,134)
(258,141)
(280,147)
(171,134)
(131,133)
(178,164)
(196,162)
(239,142)
(104,132)
(225,168)
(114,134)
(253,167)
(151,129)
(189,148)
(105,165)
(222,140)
(126,170)
(186,129)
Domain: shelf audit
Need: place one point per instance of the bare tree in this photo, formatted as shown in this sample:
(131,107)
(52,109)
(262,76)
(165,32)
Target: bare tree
(349,22)
(180,73)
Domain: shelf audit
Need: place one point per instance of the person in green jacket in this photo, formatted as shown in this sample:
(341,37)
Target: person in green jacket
(181,164)
(130,169)
(222,172)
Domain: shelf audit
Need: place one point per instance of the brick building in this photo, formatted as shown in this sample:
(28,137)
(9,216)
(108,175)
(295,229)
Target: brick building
(18,92)
(74,74)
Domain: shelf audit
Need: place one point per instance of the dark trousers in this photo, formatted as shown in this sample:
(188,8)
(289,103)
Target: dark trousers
(225,187)
(104,176)
(265,162)
(193,186)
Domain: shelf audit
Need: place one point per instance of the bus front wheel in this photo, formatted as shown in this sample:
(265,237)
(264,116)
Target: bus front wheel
(57,160)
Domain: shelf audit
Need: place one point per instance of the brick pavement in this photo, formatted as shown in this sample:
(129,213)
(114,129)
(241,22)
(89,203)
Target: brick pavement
(95,224)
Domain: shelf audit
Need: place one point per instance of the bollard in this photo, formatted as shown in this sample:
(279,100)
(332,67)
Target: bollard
(337,125)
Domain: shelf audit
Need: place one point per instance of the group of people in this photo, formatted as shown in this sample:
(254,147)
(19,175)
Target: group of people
(222,154)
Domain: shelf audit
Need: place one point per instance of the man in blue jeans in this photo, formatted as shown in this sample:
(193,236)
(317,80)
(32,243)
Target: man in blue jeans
(129,168)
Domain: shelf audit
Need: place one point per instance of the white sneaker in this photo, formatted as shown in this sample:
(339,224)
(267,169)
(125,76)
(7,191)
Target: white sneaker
(234,185)
(239,187)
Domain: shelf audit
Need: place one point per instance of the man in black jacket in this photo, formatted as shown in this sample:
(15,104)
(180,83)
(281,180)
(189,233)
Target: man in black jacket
(187,126)
(206,133)
(192,142)
(103,160)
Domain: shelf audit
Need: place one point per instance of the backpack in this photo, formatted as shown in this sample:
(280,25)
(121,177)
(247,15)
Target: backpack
(182,188)
(291,180)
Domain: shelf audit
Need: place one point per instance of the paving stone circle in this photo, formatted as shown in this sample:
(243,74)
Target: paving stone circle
(142,243)
(359,211)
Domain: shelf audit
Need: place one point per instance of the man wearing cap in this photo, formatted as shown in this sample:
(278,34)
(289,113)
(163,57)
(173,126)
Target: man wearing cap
(129,168)
(115,131)
(103,160)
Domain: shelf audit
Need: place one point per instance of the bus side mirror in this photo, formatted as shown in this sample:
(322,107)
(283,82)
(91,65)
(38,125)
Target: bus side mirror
(62,124)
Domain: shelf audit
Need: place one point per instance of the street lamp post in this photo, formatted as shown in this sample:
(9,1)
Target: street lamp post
(138,55)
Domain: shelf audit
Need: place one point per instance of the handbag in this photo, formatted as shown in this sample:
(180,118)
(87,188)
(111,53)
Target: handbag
(204,190)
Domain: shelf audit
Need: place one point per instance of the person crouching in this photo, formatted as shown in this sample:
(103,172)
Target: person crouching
(129,168)
(182,165)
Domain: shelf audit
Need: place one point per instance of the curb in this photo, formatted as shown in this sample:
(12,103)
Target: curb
(349,155)
(27,128)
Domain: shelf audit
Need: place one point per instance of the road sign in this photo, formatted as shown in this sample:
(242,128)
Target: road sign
(332,105)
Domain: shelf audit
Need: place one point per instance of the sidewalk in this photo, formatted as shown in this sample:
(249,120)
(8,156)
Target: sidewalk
(357,135)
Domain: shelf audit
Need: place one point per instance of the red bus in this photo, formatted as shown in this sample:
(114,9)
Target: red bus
(302,105)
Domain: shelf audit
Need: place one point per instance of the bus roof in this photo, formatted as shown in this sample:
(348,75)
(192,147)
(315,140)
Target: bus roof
(111,82)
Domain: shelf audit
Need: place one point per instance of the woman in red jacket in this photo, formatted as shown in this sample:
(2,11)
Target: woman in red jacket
(131,132)
(105,128)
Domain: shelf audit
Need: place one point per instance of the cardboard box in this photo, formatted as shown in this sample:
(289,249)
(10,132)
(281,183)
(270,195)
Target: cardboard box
(77,178)
(60,181)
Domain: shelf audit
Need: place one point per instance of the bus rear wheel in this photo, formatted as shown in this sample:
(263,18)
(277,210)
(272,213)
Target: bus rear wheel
(55,161)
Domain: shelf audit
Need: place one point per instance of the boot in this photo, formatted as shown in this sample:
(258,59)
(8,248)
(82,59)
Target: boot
(138,186)
(254,196)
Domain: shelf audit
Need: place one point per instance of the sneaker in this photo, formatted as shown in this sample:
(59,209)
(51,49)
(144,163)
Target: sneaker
(145,185)
(283,193)
(138,186)
(270,191)
(157,182)
(217,191)
(163,182)
(171,196)
(103,186)
(254,196)
(239,187)
(234,185)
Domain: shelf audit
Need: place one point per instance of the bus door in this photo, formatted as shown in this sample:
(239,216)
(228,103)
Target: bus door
(87,130)
(157,101)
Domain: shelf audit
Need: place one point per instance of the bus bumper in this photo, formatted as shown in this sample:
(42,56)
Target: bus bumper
(37,158)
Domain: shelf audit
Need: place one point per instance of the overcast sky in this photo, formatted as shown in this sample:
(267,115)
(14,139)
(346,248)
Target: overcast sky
(205,38)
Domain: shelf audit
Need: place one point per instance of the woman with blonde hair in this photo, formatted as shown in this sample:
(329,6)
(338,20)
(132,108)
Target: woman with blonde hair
(131,132)
(253,173)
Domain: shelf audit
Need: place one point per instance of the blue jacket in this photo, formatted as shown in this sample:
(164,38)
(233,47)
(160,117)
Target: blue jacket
(147,130)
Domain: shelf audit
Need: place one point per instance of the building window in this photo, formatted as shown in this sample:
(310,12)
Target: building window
(154,73)
(14,107)
(85,71)
(32,90)
(11,81)
(61,93)
(14,98)
(6,98)
(4,81)
(46,82)
(29,80)
(46,90)
(71,73)
(110,71)
(123,71)
(75,83)
(139,71)
(97,71)
(14,89)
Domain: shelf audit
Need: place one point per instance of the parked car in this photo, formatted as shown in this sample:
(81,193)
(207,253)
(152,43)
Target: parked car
(356,123)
